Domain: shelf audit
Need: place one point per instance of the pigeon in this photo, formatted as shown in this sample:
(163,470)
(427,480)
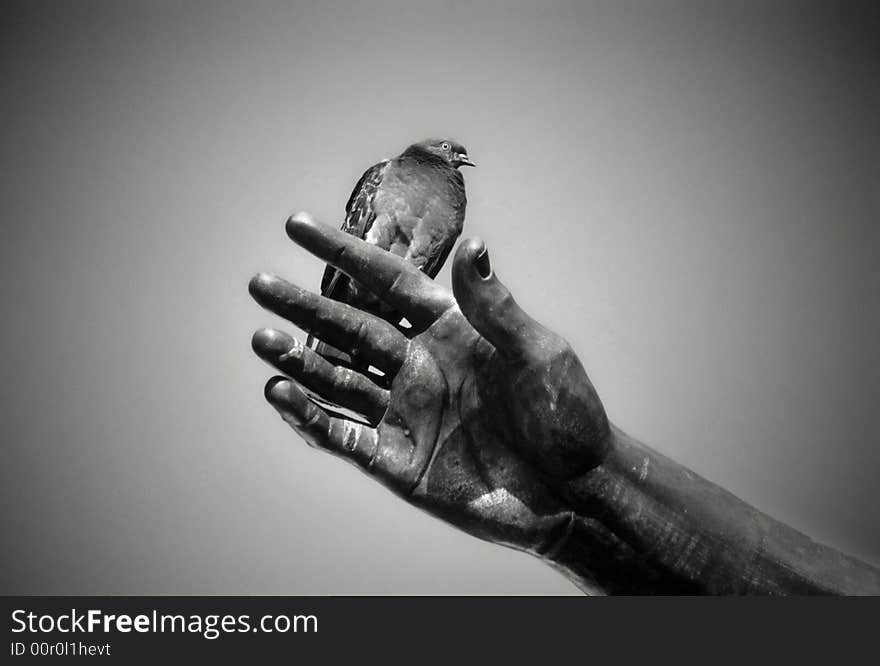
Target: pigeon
(412,205)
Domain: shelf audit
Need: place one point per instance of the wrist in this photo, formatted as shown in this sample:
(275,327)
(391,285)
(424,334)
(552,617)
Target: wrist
(591,553)
(589,494)
(615,534)
(599,562)
(699,537)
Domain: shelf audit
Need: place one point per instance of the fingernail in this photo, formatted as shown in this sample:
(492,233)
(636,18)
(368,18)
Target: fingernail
(484,267)
(299,222)
(275,387)
(260,283)
(263,341)
(271,344)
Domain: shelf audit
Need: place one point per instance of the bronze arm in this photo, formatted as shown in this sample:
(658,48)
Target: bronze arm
(487,420)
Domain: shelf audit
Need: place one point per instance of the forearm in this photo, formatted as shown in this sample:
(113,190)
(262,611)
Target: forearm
(648,524)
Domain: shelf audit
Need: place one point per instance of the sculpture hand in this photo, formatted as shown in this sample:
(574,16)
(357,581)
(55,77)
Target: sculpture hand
(487,410)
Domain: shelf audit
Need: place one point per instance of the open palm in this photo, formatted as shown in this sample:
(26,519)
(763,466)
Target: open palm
(482,411)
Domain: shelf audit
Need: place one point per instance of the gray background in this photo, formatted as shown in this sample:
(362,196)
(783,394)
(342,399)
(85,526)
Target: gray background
(687,191)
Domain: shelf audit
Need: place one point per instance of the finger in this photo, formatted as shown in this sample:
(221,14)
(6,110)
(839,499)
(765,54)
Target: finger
(341,325)
(393,279)
(339,385)
(490,307)
(355,441)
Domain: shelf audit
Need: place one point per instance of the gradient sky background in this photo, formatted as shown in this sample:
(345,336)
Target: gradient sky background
(688,192)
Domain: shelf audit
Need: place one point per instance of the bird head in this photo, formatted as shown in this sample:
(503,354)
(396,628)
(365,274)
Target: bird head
(451,152)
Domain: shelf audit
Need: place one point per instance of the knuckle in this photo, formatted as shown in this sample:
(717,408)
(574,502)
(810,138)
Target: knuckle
(323,316)
(309,364)
(400,284)
(339,255)
(361,333)
(343,379)
(506,302)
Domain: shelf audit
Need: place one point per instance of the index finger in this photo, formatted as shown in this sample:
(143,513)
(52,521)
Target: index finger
(390,277)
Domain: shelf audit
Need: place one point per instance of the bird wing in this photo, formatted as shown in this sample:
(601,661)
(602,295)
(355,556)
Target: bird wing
(439,225)
(360,214)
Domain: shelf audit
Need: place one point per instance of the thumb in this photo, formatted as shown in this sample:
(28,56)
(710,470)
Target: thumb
(490,307)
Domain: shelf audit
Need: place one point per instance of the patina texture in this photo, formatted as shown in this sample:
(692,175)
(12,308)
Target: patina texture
(488,420)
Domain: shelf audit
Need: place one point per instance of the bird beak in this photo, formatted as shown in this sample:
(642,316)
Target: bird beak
(464,160)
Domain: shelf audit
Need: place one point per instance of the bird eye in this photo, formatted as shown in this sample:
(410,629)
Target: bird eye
(444,146)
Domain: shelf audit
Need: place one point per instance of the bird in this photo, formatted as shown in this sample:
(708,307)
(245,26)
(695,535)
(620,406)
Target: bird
(412,205)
